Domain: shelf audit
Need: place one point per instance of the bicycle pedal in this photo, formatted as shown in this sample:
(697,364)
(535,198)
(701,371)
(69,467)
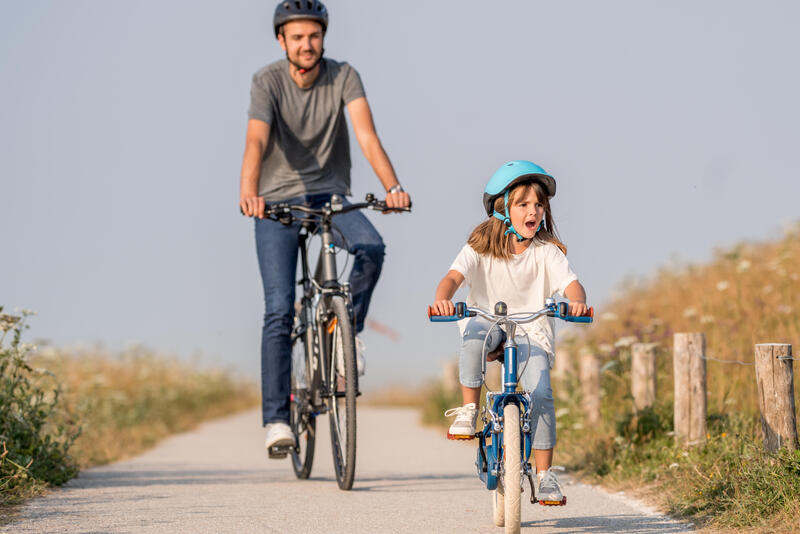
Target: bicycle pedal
(460,437)
(562,502)
(279,452)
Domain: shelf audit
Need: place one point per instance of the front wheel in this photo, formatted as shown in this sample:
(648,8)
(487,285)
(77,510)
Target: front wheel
(512,465)
(343,382)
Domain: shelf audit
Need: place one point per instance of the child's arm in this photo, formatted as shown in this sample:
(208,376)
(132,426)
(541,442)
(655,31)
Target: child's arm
(577,298)
(442,304)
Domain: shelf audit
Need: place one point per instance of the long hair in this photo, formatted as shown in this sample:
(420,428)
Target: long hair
(487,238)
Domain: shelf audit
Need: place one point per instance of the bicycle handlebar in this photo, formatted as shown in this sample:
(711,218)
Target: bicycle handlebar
(282,210)
(551,309)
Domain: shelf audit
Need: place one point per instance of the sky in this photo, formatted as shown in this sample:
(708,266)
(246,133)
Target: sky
(670,127)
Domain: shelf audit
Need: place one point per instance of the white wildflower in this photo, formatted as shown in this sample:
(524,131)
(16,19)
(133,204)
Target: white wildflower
(707,319)
(783,308)
(743,266)
(673,465)
(626,341)
(689,313)
(722,285)
(605,348)
(561,412)
(577,426)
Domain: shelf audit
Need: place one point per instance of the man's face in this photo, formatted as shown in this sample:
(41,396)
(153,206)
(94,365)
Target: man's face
(302,42)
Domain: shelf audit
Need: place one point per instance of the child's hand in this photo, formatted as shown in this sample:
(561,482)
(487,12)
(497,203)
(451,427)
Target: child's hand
(444,307)
(578,308)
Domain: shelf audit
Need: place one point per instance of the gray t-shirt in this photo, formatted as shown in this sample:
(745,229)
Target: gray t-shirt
(308,149)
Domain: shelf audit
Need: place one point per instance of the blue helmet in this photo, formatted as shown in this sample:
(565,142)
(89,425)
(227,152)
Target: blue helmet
(505,178)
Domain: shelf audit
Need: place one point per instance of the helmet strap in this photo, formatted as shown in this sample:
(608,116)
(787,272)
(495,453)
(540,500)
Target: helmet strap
(301,69)
(507,220)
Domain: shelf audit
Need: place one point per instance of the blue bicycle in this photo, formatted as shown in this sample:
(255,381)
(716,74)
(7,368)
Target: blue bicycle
(507,414)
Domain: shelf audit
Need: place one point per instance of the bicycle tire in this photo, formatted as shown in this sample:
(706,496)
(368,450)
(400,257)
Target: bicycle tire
(498,506)
(342,401)
(301,416)
(512,471)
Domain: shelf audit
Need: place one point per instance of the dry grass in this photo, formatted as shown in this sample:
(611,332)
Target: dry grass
(127,402)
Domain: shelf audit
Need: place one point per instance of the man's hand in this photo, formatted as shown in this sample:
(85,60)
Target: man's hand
(252,206)
(399,199)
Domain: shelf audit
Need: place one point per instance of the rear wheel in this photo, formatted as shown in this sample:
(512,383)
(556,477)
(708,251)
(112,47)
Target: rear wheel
(498,506)
(301,415)
(512,467)
(343,380)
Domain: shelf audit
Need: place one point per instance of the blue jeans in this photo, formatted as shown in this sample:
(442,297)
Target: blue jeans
(276,245)
(535,379)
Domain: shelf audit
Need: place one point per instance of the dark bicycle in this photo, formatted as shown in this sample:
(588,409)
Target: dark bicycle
(324,372)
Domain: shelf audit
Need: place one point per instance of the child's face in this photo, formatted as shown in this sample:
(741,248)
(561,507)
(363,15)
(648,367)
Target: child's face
(526,213)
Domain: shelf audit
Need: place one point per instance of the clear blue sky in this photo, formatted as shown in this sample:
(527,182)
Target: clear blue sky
(671,127)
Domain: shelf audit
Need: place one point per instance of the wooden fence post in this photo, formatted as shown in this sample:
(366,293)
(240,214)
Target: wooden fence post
(563,364)
(690,388)
(643,375)
(775,378)
(590,386)
(450,381)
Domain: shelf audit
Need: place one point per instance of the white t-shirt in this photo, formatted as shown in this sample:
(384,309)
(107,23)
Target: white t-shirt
(522,282)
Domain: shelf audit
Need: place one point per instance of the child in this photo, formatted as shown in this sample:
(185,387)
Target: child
(513,256)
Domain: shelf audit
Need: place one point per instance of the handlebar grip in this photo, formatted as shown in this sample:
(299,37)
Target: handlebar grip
(461,312)
(588,318)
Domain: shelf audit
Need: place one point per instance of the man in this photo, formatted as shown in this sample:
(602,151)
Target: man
(297,151)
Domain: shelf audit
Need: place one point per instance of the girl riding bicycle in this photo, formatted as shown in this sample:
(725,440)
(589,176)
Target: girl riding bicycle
(514,256)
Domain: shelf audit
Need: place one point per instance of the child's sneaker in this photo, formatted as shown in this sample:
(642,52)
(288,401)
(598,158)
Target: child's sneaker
(549,492)
(464,425)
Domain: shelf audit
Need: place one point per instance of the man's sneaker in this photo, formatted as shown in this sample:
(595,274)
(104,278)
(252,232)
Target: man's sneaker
(361,363)
(549,492)
(464,425)
(279,439)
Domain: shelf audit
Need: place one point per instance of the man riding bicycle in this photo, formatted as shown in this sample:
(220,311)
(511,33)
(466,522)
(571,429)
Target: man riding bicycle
(297,151)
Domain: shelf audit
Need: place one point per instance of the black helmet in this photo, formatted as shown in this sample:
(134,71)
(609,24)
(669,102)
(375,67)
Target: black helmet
(300,9)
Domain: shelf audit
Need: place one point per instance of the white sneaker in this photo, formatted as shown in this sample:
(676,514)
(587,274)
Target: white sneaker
(278,435)
(464,425)
(361,362)
(549,492)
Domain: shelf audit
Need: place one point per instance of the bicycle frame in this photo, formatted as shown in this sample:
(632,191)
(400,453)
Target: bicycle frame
(490,440)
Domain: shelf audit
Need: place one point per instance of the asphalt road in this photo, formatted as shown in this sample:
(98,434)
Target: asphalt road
(217,479)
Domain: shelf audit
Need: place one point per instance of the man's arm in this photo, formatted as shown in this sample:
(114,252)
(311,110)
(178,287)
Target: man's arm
(364,128)
(250,203)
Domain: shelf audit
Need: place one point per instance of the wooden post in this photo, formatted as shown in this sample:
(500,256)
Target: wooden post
(590,386)
(690,388)
(643,375)
(775,378)
(494,378)
(563,364)
(450,381)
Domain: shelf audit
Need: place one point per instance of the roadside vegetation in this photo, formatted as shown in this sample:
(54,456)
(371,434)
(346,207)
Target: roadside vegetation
(746,294)
(65,410)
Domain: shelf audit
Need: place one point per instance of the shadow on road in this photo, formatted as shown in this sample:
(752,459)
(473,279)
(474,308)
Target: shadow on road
(610,524)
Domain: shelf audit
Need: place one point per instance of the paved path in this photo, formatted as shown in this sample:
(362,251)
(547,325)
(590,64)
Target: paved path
(217,479)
